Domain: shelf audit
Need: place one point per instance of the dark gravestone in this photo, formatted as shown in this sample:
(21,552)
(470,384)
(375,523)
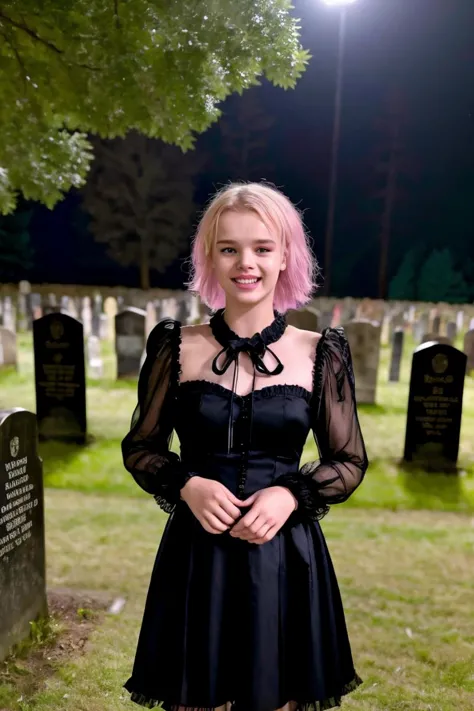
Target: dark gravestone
(436,324)
(397,353)
(469,350)
(307,319)
(129,341)
(435,406)
(22,551)
(60,378)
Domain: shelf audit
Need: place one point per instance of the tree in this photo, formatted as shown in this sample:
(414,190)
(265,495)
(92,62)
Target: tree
(140,198)
(244,130)
(16,253)
(440,281)
(392,166)
(89,67)
(403,284)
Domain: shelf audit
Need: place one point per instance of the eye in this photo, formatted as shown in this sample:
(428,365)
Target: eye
(227,250)
(263,249)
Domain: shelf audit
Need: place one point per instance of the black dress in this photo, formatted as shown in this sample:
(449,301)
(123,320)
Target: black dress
(226,620)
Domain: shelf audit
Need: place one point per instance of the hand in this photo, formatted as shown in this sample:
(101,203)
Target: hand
(271,508)
(215,507)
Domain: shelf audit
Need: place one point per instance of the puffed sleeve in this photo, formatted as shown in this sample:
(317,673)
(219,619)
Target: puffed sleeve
(146,448)
(343,457)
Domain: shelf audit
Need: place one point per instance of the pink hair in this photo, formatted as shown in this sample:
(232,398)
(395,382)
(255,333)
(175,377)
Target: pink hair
(295,284)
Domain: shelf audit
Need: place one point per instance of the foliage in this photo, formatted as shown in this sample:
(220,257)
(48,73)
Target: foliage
(403,284)
(244,138)
(440,281)
(160,67)
(140,197)
(16,253)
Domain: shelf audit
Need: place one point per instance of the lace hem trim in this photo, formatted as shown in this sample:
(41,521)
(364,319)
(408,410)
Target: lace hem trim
(329,703)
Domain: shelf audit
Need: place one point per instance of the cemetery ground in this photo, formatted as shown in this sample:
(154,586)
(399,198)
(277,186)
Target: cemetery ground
(403,549)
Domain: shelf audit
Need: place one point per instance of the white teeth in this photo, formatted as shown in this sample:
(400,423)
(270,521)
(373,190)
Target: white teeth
(246,281)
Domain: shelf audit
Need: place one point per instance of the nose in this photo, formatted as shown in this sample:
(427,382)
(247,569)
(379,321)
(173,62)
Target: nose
(246,260)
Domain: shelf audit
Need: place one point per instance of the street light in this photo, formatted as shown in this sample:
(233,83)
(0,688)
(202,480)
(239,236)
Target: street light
(329,237)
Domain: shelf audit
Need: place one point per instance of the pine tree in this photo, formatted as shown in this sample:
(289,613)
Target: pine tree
(440,281)
(403,284)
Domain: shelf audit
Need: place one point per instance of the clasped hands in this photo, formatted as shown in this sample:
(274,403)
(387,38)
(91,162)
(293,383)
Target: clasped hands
(218,510)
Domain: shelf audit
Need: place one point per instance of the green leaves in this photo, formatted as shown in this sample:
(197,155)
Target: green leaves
(160,67)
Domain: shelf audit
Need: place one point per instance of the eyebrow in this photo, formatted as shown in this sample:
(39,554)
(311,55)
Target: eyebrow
(266,240)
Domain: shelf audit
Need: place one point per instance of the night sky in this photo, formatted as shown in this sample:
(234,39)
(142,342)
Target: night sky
(420,49)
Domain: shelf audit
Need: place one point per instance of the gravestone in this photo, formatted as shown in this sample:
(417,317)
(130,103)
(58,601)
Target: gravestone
(364,341)
(36,308)
(96,313)
(436,337)
(417,330)
(460,320)
(9,314)
(451,331)
(425,323)
(86,316)
(111,310)
(129,341)
(95,362)
(435,406)
(151,319)
(307,319)
(22,545)
(325,319)
(397,354)
(469,350)
(60,378)
(8,350)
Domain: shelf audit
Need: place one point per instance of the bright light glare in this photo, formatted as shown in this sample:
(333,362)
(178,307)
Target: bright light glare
(335,3)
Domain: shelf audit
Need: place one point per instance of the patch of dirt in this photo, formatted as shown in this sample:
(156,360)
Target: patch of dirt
(73,615)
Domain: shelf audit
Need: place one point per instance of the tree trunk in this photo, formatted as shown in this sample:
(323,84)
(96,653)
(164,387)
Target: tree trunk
(389,199)
(144,265)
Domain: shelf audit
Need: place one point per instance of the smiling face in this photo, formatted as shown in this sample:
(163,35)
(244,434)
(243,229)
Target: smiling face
(247,257)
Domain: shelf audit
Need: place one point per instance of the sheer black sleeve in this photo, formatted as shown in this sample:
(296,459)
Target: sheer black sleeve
(343,457)
(145,449)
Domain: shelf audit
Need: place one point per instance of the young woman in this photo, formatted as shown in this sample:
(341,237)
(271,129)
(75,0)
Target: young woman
(243,610)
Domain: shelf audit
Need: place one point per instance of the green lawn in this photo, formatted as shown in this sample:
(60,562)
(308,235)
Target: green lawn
(98,467)
(403,548)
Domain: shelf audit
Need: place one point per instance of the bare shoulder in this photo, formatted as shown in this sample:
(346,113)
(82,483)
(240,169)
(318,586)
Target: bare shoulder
(304,339)
(192,336)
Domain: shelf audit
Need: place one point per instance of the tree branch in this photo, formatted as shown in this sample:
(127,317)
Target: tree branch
(116,15)
(31,33)
(46,43)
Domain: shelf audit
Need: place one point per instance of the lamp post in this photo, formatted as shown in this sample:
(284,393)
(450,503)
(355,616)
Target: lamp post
(329,236)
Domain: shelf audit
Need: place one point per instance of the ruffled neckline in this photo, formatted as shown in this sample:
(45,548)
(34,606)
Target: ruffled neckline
(224,335)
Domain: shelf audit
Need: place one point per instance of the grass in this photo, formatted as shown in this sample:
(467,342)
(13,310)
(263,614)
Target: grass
(403,549)
(98,468)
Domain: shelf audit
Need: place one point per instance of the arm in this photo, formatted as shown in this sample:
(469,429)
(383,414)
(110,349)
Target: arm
(145,449)
(343,458)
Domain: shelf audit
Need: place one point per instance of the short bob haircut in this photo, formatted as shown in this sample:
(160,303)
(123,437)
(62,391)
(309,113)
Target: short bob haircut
(295,284)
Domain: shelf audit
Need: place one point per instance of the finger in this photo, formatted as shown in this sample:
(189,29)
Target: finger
(230,509)
(245,521)
(262,531)
(215,523)
(267,537)
(231,497)
(249,501)
(252,530)
(223,517)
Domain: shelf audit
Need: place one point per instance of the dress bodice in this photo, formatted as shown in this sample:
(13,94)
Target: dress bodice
(270,427)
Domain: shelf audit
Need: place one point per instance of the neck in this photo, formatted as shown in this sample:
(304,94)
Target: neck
(245,320)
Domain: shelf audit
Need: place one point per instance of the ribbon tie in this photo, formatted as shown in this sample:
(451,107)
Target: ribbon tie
(255,347)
